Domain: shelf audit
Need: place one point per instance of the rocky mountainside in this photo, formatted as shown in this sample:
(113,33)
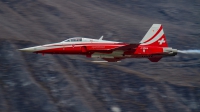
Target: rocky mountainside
(62,83)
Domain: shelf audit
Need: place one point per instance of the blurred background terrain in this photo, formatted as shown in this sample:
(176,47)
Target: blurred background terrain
(63,83)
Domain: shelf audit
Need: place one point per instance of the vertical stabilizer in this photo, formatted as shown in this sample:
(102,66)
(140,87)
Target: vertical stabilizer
(155,37)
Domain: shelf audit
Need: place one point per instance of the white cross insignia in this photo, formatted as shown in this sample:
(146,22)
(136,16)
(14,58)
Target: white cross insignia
(161,41)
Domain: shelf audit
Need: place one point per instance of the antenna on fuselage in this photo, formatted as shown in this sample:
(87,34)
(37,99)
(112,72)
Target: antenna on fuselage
(101,38)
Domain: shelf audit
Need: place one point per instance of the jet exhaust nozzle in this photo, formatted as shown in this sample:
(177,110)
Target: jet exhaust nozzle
(170,51)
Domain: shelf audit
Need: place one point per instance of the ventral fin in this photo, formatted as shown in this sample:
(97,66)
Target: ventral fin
(155,59)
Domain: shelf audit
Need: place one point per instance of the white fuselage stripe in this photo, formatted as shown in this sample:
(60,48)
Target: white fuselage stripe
(70,44)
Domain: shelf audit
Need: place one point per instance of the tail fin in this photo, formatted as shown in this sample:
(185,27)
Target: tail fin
(155,37)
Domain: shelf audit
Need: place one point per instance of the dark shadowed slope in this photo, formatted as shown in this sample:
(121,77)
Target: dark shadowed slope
(60,83)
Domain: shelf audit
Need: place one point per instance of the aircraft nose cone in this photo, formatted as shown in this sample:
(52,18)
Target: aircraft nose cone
(30,49)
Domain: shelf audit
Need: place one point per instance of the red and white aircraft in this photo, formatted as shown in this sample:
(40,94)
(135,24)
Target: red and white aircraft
(153,46)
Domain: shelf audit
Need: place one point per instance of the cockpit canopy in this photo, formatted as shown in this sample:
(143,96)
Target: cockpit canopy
(75,39)
(82,39)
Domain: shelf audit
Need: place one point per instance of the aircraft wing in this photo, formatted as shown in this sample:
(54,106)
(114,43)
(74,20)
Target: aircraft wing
(115,54)
(126,47)
(121,48)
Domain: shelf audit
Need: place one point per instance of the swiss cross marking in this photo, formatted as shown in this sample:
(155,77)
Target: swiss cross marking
(161,41)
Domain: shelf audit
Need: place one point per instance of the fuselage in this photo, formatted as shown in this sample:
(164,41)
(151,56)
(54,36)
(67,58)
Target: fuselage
(100,49)
(153,46)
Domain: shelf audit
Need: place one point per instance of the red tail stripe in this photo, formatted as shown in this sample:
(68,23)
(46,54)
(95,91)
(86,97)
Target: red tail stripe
(154,34)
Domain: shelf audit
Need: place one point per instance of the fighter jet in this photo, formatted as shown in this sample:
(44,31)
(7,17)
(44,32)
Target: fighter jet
(153,46)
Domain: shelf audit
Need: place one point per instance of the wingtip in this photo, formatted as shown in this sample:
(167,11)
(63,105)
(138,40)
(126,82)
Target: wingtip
(101,38)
